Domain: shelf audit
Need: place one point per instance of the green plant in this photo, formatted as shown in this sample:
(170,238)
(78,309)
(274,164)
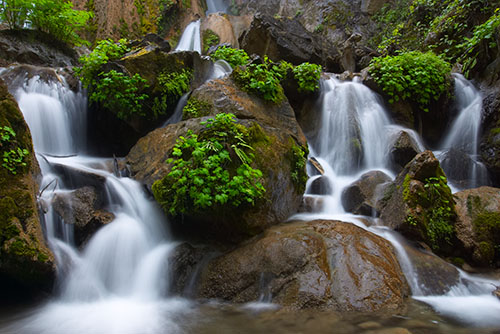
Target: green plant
(171,86)
(299,159)
(307,76)
(13,156)
(210,38)
(414,76)
(260,80)
(120,93)
(235,57)
(210,170)
(105,51)
(195,108)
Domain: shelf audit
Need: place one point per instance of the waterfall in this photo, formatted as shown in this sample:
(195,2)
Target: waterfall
(355,137)
(116,282)
(190,39)
(214,6)
(458,151)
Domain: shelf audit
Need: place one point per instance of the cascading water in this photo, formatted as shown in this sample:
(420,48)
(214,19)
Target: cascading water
(214,6)
(458,151)
(190,39)
(355,137)
(116,283)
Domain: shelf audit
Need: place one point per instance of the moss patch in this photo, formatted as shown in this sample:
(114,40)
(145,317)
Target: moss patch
(196,108)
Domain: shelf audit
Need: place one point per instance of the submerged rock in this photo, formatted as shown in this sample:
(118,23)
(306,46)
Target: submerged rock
(320,186)
(26,263)
(361,197)
(275,134)
(478,225)
(318,264)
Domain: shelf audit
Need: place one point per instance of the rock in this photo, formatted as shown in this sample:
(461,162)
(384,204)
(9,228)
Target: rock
(271,123)
(361,197)
(26,263)
(320,186)
(490,141)
(420,204)
(318,264)
(219,24)
(316,166)
(151,42)
(311,204)
(496,293)
(35,48)
(82,208)
(111,135)
(403,150)
(458,166)
(478,225)
(287,40)
(372,6)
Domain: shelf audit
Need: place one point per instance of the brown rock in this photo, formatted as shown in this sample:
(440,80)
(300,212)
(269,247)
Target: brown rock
(220,25)
(403,150)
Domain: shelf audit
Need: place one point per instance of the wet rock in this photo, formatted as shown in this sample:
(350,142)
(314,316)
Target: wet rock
(361,197)
(311,204)
(35,48)
(272,123)
(496,293)
(320,186)
(318,264)
(478,225)
(73,177)
(83,209)
(316,166)
(287,40)
(26,263)
(403,150)
(219,24)
(421,205)
(372,6)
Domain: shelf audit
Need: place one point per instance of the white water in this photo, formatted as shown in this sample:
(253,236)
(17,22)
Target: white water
(463,135)
(214,6)
(190,39)
(116,283)
(355,137)
(220,69)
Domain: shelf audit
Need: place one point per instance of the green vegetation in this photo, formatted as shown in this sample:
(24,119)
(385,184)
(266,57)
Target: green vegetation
(172,85)
(436,214)
(299,159)
(235,57)
(120,93)
(55,17)
(210,170)
(307,76)
(260,80)
(105,51)
(487,229)
(414,76)
(13,156)
(195,108)
(210,38)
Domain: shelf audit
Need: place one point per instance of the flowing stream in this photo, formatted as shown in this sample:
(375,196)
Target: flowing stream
(190,39)
(214,6)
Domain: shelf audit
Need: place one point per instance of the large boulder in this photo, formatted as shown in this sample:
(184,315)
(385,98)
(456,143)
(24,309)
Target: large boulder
(362,196)
(275,137)
(490,141)
(478,225)
(420,205)
(220,25)
(287,40)
(83,209)
(26,263)
(403,150)
(318,264)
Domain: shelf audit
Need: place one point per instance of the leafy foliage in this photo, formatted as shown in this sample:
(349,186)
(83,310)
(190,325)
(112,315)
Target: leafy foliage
(13,156)
(172,85)
(235,57)
(210,38)
(195,108)
(210,170)
(415,76)
(299,159)
(56,17)
(105,51)
(307,76)
(261,80)
(120,93)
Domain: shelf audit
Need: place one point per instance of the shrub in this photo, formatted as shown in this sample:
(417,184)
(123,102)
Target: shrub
(120,93)
(210,38)
(210,170)
(260,80)
(13,156)
(172,85)
(414,76)
(307,76)
(235,57)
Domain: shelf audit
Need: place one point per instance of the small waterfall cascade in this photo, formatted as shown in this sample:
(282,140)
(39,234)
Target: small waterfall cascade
(116,282)
(458,151)
(190,39)
(356,136)
(214,6)
(220,69)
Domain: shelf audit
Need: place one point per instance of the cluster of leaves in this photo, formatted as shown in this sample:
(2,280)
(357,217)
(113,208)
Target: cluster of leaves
(172,85)
(261,80)
(210,38)
(120,93)
(299,159)
(235,57)
(414,76)
(105,51)
(307,76)
(55,17)
(195,108)
(210,170)
(13,156)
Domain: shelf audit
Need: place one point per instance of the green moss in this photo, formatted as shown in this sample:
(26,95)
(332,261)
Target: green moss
(209,38)
(196,108)
(170,87)
(487,226)
(487,251)
(298,159)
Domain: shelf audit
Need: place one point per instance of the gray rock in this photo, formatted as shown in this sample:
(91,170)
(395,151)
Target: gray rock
(361,197)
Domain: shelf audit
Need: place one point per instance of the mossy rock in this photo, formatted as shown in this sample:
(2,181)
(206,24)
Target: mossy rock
(25,261)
